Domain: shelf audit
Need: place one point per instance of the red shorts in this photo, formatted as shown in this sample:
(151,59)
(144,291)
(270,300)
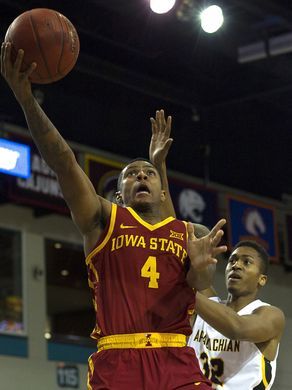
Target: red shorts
(174,368)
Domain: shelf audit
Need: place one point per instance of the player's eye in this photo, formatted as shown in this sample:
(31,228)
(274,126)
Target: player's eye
(132,173)
(151,172)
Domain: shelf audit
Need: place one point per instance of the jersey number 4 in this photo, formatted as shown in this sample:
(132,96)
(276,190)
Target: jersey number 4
(149,270)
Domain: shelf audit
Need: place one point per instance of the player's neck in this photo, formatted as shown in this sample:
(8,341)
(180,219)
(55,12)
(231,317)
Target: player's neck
(239,302)
(149,214)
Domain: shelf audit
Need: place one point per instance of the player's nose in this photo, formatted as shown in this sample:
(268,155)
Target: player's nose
(237,264)
(142,175)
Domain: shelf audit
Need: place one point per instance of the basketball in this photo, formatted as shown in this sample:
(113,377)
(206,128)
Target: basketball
(47,38)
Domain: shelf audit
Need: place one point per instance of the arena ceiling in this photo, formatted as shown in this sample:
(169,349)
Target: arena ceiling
(232,121)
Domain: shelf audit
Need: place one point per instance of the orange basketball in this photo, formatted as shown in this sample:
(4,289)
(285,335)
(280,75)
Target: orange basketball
(47,38)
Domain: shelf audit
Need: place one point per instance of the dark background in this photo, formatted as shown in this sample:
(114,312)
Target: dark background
(232,122)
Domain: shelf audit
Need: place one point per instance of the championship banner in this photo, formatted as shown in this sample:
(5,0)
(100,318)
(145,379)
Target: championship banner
(194,203)
(252,220)
(40,189)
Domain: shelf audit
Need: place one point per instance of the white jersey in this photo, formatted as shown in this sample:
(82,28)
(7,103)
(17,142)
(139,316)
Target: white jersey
(231,364)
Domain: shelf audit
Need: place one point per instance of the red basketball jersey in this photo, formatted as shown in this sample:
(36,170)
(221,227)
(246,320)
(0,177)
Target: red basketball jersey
(137,276)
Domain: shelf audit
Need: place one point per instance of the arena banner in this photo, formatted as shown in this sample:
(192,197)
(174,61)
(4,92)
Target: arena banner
(40,189)
(252,220)
(192,202)
(103,172)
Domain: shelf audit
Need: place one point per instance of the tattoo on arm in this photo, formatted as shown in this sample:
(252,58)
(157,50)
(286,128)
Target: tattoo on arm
(49,141)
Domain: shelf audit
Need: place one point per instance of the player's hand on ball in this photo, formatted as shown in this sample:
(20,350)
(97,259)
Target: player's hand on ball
(17,80)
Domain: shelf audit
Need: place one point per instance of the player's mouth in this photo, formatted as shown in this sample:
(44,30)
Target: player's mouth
(234,276)
(142,189)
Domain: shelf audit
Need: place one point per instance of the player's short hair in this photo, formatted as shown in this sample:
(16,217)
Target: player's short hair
(120,178)
(265,260)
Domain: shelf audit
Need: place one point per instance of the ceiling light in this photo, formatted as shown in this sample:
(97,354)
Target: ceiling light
(211,19)
(161,6)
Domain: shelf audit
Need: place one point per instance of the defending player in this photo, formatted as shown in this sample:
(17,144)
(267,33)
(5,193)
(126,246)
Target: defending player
(237,341)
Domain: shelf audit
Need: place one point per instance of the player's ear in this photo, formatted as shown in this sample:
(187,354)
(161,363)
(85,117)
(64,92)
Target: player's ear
(119,198)
(263,280)
(163,196)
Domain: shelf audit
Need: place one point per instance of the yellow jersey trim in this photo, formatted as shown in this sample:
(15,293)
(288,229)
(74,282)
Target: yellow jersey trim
(141,340)
(265,382)
(90,284)
(108,235)
(148,225)
(90,372)
(186,226)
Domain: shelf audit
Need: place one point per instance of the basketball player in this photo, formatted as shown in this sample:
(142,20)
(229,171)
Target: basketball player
(137,262)
(237,341)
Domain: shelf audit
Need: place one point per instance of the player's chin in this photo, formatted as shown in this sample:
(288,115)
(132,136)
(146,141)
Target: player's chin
(141,205)
(232,288)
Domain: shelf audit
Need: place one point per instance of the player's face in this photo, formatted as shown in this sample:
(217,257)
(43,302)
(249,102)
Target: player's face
(243,272)
(141,185)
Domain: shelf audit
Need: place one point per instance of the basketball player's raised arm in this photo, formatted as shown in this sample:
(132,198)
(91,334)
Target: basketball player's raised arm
(265,323)
(86,206)
(202,280)
(159,146)
(202,253)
